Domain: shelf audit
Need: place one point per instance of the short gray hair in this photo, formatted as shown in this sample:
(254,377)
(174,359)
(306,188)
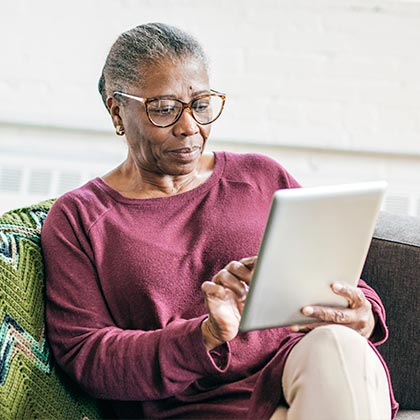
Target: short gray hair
(140,47)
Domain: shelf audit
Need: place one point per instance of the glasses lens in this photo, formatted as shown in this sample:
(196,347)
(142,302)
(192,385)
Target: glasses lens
(207,108)
(163,112)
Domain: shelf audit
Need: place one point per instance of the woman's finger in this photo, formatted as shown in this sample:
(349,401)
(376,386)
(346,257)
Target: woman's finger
(240,270)
(249,262)
(212,289)
(353,294)
(306,327)
(336,315)
(226,279)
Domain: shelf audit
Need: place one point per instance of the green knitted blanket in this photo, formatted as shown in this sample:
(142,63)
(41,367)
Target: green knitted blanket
(31,385)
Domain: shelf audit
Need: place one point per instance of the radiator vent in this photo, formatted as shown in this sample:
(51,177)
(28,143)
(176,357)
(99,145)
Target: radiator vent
(397,203)
(67,181)
(11,179)
(39,182)
(30,184)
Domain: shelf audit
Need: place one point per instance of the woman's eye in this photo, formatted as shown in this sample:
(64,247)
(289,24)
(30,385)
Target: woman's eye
(162,108)
(163,111)
(201,105)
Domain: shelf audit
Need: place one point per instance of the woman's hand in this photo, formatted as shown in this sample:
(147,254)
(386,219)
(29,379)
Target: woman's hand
(358,315)
(225,297)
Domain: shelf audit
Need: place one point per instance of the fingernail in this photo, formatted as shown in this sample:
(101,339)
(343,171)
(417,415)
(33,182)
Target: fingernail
(294,328)
(308,310)
(338,287)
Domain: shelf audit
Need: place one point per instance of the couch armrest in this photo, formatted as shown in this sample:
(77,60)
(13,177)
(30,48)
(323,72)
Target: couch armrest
(392,268)
(31,384)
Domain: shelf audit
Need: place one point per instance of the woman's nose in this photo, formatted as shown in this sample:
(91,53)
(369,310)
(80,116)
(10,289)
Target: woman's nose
(186,125)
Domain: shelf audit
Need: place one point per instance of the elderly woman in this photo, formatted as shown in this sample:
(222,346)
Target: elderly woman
(148,267)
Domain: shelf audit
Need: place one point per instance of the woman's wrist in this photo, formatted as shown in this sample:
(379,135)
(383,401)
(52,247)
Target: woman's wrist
(211,341)
(372,325)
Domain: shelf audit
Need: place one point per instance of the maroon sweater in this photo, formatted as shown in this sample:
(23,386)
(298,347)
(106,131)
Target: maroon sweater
(124,304)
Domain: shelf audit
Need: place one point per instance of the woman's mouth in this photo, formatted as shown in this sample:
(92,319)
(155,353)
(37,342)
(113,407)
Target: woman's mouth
(186,153)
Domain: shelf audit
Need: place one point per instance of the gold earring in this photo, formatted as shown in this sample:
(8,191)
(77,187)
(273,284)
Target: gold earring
(119,130)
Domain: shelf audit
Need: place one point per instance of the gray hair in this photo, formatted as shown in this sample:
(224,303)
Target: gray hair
(140,47)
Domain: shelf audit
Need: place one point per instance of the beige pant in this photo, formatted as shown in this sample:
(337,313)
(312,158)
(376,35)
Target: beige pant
(332,374)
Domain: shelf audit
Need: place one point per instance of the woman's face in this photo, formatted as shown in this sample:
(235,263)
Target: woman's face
(174,150)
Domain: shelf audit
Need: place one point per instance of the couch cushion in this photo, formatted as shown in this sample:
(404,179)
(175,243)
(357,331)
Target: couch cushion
(408,415)
(393,269)
(31,386)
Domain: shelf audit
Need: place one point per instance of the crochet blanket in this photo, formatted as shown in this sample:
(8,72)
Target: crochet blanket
(31,385)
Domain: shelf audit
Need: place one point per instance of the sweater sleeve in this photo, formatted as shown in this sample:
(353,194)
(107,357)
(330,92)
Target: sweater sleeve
(380,332)
(107,361)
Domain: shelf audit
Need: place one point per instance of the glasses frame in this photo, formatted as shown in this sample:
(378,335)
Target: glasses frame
(185,105)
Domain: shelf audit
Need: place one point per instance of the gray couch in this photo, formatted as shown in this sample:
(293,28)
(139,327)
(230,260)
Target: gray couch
(393,269)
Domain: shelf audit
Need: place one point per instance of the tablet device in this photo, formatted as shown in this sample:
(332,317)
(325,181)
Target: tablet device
(314,237)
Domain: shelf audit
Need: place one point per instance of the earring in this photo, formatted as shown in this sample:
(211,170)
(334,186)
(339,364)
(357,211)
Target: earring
(119,130)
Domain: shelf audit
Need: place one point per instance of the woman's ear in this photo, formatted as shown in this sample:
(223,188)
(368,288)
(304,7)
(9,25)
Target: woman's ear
(114,110)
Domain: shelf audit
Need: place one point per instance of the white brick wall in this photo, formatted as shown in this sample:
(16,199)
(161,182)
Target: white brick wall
(331,86)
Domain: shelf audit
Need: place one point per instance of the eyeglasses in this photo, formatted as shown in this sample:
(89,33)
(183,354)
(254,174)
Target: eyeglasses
(164,112)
